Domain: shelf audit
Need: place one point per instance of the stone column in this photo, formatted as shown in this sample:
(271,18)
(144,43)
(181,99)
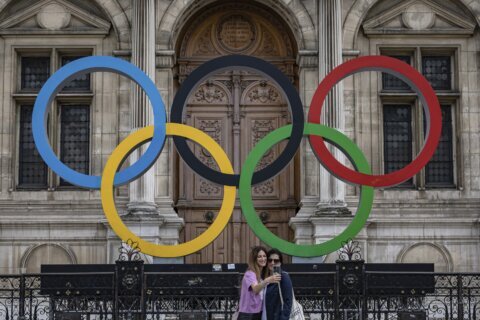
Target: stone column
(332,190)
(165,171)
(307,61)
(323,196)
(142,190)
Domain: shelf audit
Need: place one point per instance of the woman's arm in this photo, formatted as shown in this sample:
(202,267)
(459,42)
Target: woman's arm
(287,294)
(257,287)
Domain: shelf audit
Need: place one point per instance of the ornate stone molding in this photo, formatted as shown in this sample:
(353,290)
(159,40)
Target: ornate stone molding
(307,59)
(418,17)
(54,17)
(165,59)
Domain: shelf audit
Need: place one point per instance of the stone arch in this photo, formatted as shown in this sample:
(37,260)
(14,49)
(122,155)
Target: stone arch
(360,9)
(412,253)
(179,12)
(64,254)
(116,15)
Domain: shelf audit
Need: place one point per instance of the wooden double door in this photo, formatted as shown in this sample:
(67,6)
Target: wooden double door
(237,109)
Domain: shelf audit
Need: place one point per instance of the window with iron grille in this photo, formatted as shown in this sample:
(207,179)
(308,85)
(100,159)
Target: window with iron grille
(81,83)
(32,169)
(75,138)
(391,82)
(403,123)
(438,71)
(397,138)
(439,170)
(69,135)
(35,72)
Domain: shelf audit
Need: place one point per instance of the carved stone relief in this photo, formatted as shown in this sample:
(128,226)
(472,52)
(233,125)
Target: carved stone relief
(236,32)
(238,28)
(53,16)
(419,16)
(263,93)
(204,43)
(268,46)
(209,93)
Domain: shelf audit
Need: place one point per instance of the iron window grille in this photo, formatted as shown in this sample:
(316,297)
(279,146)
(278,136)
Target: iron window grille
(69,134)
(400,145)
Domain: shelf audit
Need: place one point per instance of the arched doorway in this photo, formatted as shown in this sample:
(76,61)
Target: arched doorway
(237,109)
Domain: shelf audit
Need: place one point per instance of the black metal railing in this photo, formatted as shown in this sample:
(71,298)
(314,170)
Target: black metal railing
(130,291)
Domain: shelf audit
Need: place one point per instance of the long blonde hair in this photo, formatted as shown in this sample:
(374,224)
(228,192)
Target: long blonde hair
(252,262)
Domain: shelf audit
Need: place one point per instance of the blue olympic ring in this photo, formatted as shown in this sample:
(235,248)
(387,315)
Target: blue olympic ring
(69,72)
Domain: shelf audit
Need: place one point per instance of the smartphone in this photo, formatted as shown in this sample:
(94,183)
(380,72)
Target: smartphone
(277,269)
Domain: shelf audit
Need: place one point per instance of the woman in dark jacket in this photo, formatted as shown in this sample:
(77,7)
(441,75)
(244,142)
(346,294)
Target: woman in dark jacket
(274,309)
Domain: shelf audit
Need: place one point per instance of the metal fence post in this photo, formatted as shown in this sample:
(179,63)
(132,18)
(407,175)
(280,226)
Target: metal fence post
(337,294)
(21,301)
(364,295)
(115,295)
(460,296)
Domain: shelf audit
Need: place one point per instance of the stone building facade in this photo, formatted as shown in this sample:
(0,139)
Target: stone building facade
(434,217)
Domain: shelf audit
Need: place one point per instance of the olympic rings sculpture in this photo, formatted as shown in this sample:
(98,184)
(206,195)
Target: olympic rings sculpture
(294,132)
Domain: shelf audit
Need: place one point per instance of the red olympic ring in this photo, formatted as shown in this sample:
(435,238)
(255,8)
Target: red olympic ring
(429,102)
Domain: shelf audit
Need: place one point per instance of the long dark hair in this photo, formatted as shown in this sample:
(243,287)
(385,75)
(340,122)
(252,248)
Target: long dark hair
(252,262)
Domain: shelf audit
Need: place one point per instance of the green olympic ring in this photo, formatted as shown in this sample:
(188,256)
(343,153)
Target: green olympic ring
(366,193)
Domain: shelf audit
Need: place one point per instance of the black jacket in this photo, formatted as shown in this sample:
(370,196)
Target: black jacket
(273,304)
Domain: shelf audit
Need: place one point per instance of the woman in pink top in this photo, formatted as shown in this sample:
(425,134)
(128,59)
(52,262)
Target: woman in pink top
(251,294)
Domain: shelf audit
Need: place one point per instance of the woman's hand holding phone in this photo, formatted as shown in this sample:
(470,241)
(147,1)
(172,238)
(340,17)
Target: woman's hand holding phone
(274,279)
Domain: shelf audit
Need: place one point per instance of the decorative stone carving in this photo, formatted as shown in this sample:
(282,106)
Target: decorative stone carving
(239,30)
(53,17)
(419,16)
(268,46)
(209,93)
(263,93)
(236,32)
(204,44)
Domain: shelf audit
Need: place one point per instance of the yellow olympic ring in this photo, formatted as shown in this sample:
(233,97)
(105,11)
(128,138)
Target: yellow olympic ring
(182,249)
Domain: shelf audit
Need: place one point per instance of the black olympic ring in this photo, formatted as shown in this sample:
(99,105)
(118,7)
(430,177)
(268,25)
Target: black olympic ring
(252,64)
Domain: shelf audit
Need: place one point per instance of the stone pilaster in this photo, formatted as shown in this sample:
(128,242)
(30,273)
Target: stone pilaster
(322,194)
(165,171)
(142,191)
(332,191)
(307,61)
(156,222)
